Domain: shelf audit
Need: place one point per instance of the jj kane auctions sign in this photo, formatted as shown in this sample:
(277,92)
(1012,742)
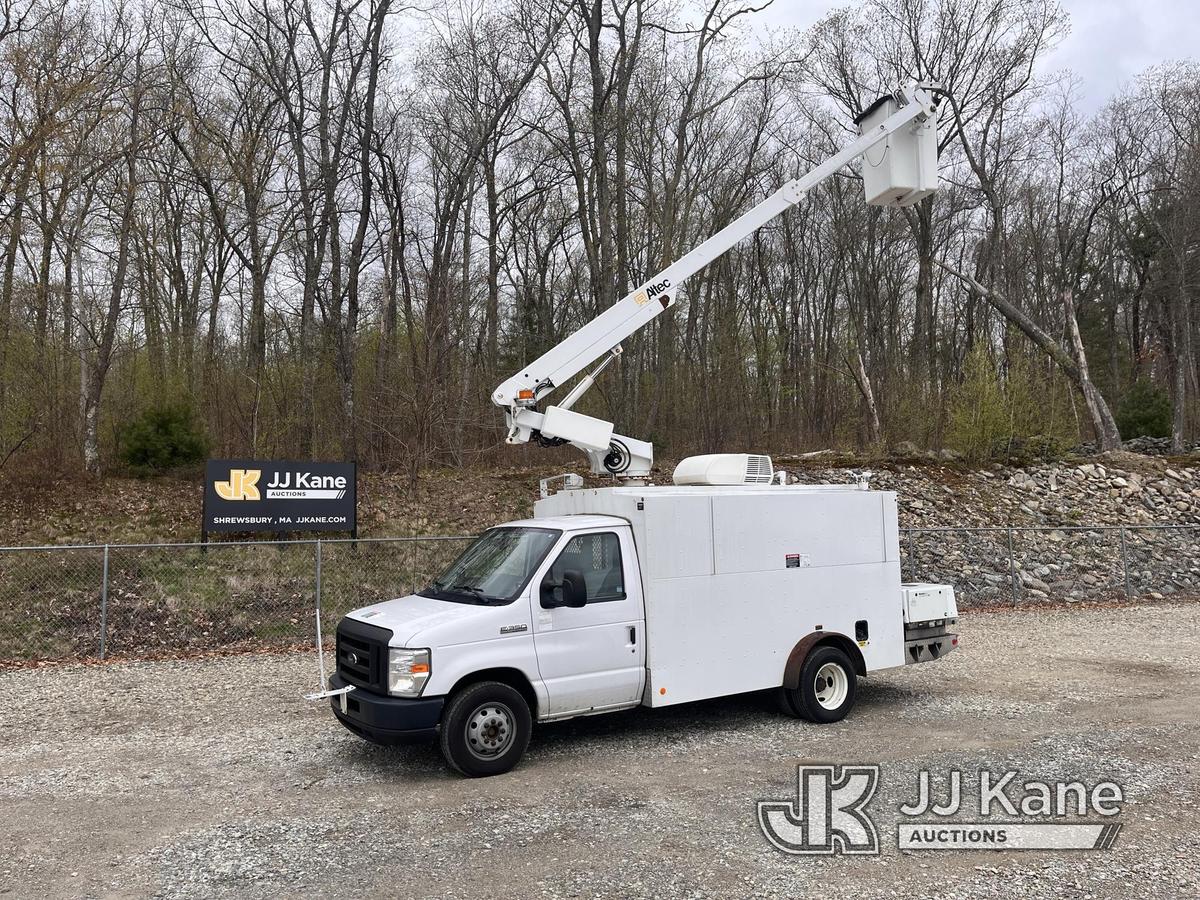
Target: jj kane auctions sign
(273,495)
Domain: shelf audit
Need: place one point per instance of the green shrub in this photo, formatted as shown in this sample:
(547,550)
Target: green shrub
(979,413)
(1032,449)
(1014,417)
(163,437)
(1144,411)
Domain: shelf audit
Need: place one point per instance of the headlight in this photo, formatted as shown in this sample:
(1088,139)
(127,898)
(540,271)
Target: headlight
(408,670)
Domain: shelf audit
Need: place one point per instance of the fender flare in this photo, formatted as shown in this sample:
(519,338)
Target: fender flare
(795,661)
(534,691)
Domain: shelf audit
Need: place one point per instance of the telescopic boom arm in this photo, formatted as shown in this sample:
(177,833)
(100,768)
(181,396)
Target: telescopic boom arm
(601,338)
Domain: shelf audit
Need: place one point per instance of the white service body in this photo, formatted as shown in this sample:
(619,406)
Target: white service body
(721,583)
(734,577)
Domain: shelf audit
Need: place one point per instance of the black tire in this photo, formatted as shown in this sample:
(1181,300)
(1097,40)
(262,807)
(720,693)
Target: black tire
(832,698)
(783,699)
(485,729)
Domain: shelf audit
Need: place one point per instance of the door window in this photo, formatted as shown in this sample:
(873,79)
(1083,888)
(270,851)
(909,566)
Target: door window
(597,557)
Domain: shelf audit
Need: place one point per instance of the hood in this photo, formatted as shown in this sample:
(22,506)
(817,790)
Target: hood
(417,621)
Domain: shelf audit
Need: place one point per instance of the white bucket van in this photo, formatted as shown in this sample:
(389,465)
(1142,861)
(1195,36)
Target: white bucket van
(616,597)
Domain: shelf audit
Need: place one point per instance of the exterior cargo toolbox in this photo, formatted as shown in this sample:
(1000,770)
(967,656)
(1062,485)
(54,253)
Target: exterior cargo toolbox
(928,602)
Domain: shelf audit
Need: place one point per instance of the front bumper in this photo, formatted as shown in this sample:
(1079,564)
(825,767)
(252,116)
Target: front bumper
(386,720)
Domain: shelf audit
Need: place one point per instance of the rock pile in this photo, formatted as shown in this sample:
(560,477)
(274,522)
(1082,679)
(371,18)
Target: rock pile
(1145,445)
(1081,530)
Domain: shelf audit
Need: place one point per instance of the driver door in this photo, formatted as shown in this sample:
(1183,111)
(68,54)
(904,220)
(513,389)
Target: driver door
(592,657)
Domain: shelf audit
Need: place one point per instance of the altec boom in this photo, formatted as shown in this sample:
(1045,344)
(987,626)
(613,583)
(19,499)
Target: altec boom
(898,137)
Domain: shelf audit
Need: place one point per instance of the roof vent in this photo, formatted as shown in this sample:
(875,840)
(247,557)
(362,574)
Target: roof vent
(723,469)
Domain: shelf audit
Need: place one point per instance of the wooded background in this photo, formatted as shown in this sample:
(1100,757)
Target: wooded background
(328,228)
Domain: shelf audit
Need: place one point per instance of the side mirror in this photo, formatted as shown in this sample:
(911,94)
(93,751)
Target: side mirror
(570,592)
(574,589)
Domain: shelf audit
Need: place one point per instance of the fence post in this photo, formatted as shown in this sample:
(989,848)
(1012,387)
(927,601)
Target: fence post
(318,586)
(320,638)
(912,565)
(412,573)
(104,606)
(1012,567)
(1125,564)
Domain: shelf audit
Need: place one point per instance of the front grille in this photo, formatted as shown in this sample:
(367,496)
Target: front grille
(362,654)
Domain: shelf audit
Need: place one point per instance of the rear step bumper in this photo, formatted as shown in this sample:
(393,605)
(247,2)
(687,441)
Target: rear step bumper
(930,647)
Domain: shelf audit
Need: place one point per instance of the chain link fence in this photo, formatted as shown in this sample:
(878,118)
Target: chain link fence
(156,599)
(1073,563)
(138,600)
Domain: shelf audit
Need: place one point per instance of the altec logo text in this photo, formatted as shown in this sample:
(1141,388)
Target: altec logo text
(650,291)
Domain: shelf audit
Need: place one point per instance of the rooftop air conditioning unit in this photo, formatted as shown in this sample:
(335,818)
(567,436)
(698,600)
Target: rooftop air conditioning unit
(724,468)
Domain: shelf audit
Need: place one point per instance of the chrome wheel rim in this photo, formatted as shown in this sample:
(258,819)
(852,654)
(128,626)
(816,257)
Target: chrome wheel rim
(489,730)
(831,686)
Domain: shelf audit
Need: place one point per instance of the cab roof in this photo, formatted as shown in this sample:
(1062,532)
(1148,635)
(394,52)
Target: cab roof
(568,523)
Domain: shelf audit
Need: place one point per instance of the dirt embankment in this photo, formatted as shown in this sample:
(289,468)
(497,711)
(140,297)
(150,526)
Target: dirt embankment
(1128,488)
(171,600)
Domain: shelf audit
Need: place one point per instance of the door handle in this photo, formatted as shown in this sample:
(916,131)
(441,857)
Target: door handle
(632,634)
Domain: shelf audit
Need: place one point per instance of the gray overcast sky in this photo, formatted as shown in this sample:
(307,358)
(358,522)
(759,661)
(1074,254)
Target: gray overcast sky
(1110,41)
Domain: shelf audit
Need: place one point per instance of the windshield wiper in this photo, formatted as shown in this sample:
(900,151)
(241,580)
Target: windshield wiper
(473,591)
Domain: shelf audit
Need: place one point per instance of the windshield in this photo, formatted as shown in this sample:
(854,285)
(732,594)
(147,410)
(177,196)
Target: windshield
(495,568)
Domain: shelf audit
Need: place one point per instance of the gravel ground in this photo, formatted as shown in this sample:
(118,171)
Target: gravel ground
(213,778)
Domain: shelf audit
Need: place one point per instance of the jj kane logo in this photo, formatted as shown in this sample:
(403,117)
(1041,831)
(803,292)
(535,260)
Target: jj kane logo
(829,814)
(278,495)
(306,486)
(650,291)
(242,485)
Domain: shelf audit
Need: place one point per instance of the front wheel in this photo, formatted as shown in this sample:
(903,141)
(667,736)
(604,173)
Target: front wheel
(485,729)
(828,684)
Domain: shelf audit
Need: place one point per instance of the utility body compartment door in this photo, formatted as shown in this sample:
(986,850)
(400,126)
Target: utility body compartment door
(737,577)
(592,657)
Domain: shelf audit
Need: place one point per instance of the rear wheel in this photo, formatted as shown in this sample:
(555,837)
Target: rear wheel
(485,729)
(828,684)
